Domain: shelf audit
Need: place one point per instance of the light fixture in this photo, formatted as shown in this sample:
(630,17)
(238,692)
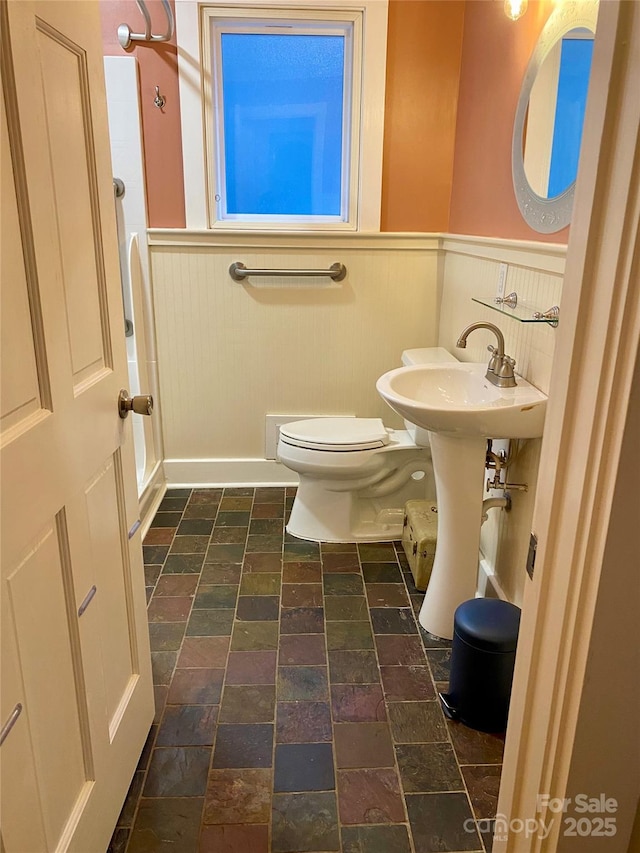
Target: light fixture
(515,9)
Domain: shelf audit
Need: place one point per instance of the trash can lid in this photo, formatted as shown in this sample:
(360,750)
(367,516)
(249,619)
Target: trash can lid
(488,623)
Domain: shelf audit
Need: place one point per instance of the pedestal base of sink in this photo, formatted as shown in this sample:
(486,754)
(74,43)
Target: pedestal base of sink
(459,466)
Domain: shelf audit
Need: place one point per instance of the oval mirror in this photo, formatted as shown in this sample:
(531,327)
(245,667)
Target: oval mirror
(550,114)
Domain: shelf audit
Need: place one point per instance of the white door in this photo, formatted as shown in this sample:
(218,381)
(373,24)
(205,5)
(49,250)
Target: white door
(76,699)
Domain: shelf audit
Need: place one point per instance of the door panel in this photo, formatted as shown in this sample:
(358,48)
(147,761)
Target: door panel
(105,516)
(39,609)
(20,391)
(67,108)
(68,497)
(22,827)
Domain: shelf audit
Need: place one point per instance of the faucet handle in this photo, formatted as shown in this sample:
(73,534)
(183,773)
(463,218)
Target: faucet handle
(494,361)
(505,372)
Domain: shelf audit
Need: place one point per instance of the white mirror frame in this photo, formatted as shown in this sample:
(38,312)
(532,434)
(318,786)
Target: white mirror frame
(546,215)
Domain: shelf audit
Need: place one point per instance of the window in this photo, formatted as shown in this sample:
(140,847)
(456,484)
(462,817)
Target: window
(286,93)
(281,123)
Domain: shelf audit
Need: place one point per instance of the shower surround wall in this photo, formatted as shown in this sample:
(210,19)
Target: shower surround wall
(127,156)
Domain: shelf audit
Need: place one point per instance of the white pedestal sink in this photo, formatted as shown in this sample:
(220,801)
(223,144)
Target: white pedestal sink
(461,409)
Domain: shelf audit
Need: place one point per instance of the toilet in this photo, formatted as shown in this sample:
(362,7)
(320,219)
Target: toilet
(356,474)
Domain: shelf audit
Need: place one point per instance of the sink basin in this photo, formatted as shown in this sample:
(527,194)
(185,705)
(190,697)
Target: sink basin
(461,409)
(457,400)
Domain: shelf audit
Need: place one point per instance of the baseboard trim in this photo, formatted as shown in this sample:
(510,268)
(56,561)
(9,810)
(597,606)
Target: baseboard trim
(488,585)
(228,472)
(151,497)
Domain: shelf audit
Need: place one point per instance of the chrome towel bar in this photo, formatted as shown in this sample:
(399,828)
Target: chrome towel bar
(238,272)
(125,36)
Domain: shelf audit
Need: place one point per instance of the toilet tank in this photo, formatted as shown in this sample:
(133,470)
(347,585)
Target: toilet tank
(427,355)
(424,355)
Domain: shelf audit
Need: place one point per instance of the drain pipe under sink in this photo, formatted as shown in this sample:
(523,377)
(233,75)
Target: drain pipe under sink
(490,503)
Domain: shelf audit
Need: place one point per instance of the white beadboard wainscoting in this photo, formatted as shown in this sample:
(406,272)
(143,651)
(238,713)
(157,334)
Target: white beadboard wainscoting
(230,353)
(535,272)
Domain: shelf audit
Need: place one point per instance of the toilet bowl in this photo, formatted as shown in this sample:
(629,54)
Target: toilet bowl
(356,474)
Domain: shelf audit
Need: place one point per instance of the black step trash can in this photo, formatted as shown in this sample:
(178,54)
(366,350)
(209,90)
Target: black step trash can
(485,635)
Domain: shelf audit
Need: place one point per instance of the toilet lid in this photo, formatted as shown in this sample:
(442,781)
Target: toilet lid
(336,433)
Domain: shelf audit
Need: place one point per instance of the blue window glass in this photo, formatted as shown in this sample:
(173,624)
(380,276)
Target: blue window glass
(283,118)
(573,83)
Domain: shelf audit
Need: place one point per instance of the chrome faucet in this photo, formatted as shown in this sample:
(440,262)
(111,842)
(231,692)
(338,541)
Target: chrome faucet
(500,367)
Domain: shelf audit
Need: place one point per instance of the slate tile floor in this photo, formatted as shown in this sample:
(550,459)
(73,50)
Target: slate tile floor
(296,696)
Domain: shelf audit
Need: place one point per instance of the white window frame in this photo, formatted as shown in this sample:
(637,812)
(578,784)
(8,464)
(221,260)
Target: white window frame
(196,104)
(348,25)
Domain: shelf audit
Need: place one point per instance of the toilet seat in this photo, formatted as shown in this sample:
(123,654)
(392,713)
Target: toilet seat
(336,434)
(354,475)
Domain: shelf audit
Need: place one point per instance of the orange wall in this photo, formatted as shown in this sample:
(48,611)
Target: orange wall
(425,41)
(157,66)
(495,55)
(454,71)
(423,69)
